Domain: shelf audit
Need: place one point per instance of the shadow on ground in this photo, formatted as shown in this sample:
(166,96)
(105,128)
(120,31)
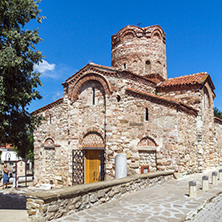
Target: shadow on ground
(12,201)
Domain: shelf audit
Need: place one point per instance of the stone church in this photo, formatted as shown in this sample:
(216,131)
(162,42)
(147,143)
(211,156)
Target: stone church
(130,107)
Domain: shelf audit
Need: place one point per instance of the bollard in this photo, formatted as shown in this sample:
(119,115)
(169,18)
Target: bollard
(192,189)
(205,183)
(214,178)
(220,174)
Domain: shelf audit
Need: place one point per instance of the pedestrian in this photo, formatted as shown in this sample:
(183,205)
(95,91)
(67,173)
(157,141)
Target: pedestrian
(5,176)
(15,180)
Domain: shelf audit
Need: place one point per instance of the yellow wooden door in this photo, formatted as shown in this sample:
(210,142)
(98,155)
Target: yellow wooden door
(92,166)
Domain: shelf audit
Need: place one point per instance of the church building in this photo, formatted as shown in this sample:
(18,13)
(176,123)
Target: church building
(130,107)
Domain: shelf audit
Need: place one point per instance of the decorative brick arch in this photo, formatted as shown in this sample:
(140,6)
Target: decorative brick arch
(90,77)
(49,142)
(91,130)
(147,141)
(93,140)
(157,33)
(128,32)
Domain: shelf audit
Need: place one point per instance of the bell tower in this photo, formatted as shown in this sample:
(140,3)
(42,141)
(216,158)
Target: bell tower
(140,50)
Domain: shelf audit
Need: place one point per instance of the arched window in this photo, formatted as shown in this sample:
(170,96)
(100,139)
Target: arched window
(124,65)
(118,98)
(93,96)
(156,35)
(146,114)
(50,118)
(147,67)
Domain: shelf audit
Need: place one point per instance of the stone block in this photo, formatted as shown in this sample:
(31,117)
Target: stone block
(38,201)
(101,193)
(53,208)
(78,204)
(93,198)
(31,212)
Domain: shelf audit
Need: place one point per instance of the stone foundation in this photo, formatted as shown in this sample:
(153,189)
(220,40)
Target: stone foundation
(49,205)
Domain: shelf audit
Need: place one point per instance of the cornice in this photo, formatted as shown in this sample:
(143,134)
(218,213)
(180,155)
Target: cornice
(164,100)
(49,106)
(217,120)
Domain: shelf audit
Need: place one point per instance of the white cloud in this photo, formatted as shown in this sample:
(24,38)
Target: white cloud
(44,66)
(58,95)
(54,71)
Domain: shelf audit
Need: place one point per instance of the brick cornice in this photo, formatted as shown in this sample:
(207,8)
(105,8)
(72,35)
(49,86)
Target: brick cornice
(164,101)
(108,71)
(217,120)
(137,32)
(49,106)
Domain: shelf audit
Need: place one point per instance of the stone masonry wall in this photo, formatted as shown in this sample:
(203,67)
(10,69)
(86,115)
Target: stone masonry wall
(170,139)
(127,127)
(51,160)
(53,204)
(201,99)
(141,51)
(218,141)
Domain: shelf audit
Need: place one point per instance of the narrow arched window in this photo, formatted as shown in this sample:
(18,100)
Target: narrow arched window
(148,67)
(50,119)
(118,98)
(93,96)
(146,114)
(124,65)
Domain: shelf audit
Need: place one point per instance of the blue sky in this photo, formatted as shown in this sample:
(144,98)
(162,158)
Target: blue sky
(77,32)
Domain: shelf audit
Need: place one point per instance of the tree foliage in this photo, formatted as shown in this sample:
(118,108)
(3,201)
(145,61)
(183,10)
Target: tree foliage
(217,113)
(18,81)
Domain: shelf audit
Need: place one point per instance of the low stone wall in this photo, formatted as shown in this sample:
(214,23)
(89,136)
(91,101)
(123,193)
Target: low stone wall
(52,204)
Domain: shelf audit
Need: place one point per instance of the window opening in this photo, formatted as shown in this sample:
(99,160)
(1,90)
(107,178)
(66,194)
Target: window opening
(93,96)
(146,114)
(148,67)
(118,98)
(50,119)
(124,65)
(204,100)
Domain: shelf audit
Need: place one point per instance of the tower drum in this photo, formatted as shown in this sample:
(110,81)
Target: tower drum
(140,50)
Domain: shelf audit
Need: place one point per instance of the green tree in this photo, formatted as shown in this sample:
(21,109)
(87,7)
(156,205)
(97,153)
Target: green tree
(18,81)
(217,113)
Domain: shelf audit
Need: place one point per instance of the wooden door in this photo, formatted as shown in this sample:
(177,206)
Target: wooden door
(92,166)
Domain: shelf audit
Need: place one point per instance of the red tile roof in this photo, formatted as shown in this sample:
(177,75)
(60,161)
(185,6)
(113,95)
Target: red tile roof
(193,79)
(6,146)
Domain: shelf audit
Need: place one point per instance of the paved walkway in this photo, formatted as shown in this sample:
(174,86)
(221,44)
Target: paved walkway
(13,204)
(166,202)
(209,211)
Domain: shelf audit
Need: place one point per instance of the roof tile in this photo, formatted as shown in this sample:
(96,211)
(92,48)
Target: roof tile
(193,79)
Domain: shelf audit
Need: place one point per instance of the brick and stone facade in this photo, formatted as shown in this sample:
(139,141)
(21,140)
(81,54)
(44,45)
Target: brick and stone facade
(132,108)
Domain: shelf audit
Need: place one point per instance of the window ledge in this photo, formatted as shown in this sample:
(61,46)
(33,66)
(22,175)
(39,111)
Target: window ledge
(147,149)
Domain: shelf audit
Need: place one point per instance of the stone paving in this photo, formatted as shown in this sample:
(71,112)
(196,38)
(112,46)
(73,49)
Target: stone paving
(166,202)
(210,211)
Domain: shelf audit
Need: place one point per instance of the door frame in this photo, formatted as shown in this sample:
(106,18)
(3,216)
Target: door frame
(102,160)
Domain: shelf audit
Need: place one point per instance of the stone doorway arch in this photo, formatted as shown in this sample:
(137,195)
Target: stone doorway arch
(89,162)
(93,146)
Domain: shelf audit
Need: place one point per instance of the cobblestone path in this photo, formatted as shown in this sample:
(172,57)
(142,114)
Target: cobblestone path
(208,212)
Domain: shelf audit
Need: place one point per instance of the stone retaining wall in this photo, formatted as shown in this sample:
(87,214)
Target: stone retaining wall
(49,205)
